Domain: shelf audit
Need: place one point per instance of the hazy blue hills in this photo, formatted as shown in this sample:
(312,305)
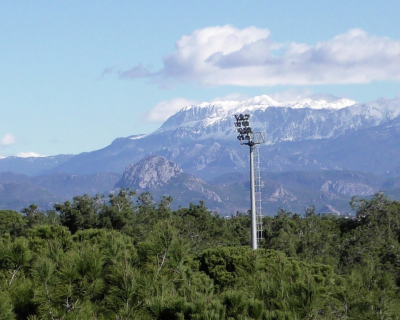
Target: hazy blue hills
(297,190)
(327,190)
(18,195)
(18,191)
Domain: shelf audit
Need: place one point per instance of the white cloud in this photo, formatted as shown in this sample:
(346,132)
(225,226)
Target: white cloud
(292,94)
(7,140)
(164,109)
(30,154)
(232,97)
(248,57)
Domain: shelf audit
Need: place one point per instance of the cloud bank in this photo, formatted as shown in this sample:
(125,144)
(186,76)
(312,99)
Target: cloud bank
(225,55)
(7,140)
(164,109)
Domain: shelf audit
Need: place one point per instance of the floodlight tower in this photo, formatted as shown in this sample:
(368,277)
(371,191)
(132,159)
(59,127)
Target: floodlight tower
(252,139)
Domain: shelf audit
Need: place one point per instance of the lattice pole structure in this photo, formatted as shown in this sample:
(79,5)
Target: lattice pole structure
(257,187)
(252,139)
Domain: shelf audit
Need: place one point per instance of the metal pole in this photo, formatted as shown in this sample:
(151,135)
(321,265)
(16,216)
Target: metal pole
(253,201)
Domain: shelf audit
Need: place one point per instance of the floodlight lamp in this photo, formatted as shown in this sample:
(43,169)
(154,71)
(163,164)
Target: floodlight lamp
(246,117)
(238,124)
(247,137)
(240,137)
(241,117)
(245,123)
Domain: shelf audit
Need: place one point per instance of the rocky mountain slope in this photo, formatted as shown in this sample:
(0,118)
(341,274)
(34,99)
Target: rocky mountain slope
(150,173)
(165,178)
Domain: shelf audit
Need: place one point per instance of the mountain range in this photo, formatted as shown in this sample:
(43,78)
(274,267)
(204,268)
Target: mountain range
(311,136)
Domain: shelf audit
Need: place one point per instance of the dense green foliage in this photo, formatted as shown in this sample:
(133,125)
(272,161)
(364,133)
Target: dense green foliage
(126,257)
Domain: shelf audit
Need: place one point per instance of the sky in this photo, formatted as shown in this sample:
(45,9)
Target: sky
(75,75)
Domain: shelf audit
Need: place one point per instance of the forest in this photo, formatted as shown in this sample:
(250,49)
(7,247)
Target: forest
(126,256)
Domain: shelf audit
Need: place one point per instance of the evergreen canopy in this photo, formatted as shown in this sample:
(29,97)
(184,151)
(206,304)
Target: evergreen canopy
(126,257)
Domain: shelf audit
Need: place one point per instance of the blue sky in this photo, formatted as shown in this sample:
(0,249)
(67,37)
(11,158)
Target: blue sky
(75,75)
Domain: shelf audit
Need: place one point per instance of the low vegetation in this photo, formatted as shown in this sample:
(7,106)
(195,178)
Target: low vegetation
(126,257)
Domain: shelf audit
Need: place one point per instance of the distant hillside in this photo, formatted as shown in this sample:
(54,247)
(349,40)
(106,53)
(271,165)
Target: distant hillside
(18,191)
(327,190)
(33,165)
(18,195)
(67,185)
(297,190)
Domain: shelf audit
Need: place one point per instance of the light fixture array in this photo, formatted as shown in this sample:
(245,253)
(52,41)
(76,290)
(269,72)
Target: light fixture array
(242,125)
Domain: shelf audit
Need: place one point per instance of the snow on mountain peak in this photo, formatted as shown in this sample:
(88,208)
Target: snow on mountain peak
(220,109)
(137,136)
(321,104)
(28,155)
(309,118)
(208,113)
(263,100)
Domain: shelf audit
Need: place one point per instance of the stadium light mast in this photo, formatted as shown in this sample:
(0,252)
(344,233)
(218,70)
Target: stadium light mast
(252,139)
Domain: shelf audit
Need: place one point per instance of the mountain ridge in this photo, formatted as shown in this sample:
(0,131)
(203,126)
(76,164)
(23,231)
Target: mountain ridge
(202,139)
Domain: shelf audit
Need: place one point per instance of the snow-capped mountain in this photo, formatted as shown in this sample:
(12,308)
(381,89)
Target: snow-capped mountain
(307,119)
(220,114)
(319,132)
(29,155)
